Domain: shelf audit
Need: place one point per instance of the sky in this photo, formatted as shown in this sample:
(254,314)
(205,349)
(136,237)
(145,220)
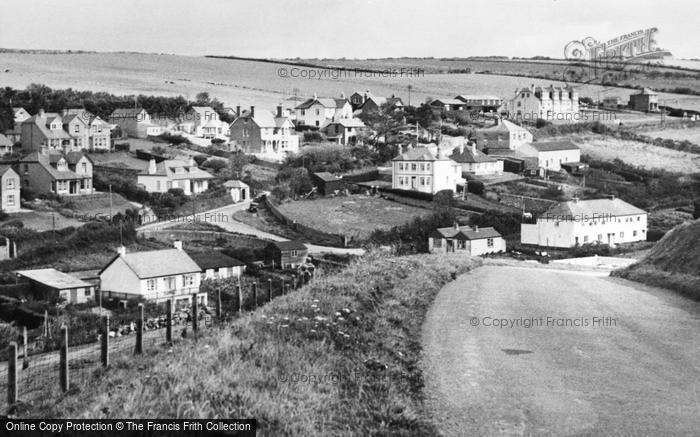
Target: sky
(345,28)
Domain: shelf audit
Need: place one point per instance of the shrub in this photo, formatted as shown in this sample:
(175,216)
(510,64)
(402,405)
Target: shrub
(215,164)
(476,187)
(122,147)
(313,137)
(200,159)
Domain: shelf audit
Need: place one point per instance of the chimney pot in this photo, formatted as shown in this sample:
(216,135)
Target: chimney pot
(151,166)
(177,244)
(252,111)
(238,111)
(41,112)
(476,228)
(121,250)
(279,110)
(474,149)
(456,225)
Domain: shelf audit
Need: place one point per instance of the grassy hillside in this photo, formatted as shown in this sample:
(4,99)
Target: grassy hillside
(338,357)
(674,262)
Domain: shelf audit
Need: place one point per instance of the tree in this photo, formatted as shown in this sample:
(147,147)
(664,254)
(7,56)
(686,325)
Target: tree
(215,164)
(203,99)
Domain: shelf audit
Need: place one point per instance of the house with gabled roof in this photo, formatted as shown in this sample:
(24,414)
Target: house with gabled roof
(447,104)
(6,146)
(239,190)
(153,275)
(204,121)
(368,102)
(472,241)
(286,254)
(317,110)
(502,136)
(419,169)
(64,174)
(135,122)
(595,221)
(162,176)
(344,131)
(552,154)
(77,123)
(646,101)
(9,189)
(476,162)
(44,130)
(264,134)
(547,103)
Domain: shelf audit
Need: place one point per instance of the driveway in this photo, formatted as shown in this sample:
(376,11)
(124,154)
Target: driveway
(579,353)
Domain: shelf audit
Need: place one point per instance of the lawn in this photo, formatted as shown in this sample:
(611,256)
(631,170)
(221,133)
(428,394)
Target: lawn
(357,215)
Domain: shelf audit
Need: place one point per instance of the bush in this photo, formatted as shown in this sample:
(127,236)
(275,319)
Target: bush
(122,147)
(476,187)
(200,159)
(313,137)
(215,164)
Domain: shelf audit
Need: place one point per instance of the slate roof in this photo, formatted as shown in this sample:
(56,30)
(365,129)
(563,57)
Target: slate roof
(448,101)
(289,245)
(419,154)
(467,156)
(214,260)
(235,184)
(583,208)
(170,167)
(467,233)
(4,141)
(326,176)
(53,278)
(158,263)
(45,161)
(327,102)
(476,97)
(551,146)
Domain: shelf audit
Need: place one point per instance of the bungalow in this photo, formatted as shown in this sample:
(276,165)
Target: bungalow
(420,170)
(317,111)
(480,103)
(471,241)
(216,265)
(343,131)
(240,191)
(135,122)
(551,154)
(154,275)
(49,284)
(475,162)
(263,134)
(9,189)
(45,131)
(447,104)
(576,222)
(286,254)
(66,174)
(6,145)
(161,177)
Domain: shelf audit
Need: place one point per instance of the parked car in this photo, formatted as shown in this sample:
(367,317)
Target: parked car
(253,207)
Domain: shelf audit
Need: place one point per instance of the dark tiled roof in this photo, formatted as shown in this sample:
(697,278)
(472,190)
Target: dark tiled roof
(289,245)
(467,233)
(550,146)
(214,260)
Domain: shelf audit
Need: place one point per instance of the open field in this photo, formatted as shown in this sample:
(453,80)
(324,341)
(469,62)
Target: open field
(44,220)
(639,154)
(354,215)
(245,83)
(690,134)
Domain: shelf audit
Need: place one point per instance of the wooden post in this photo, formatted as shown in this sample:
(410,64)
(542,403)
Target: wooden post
(269,290)
(169,321)
(105,343)
(284,288)
(139,332)
(255,294)
(195,315)
(240,298)
(63,363)
(294,282)
(12,373)
(46,323)
(218,304)
(25,360)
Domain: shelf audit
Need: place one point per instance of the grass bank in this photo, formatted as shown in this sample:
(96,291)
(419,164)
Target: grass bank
(337,357)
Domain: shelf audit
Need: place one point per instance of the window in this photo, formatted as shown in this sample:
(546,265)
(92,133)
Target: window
(26,168)
(188,280)
(11,200)
(427,166)
(634,233)
(87,292)
(303,112)
(422,167)
(318,112)
(422,181)
(151,285)
(293,253)
(169,283)
(585,238)
(76,128)
(10,183)
(638,218)
(413,167)
(400,165)
(461,244)
(622,235)
(84,167)
(437,242)
(600,237)
(489,242)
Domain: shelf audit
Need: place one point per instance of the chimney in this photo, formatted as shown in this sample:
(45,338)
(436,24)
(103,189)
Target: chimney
(342,95)
(574,199)
(365,96)
(461,148)
(612,197)
(191,162)
(177,244)
(315,96)
(64,112)
(121,250)
(474,149)
(152,166)
(41,113)
(279,110)
(238,111)
(476,228)
(456,225)
(252,111)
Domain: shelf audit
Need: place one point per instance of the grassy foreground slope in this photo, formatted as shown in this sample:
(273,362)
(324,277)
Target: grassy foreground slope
(337,357)
(673,262)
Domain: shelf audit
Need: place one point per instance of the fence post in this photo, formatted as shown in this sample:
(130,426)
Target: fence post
(294,282)
(284,288)
(240,297)
(105,343)
(269,290)
(139,331)
(255,294)
(12,373)
(25,360)
(218,304)
(63,364)
(195,315)
(169,321)
(46,323)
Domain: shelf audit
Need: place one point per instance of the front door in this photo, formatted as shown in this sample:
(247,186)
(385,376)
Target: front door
(413,182)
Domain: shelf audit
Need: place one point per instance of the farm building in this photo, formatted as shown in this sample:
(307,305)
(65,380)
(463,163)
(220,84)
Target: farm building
(216,265)
(286,254)
(326,183)
(48,284)
(471,241)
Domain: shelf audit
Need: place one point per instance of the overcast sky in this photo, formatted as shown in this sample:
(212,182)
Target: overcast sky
(349,28)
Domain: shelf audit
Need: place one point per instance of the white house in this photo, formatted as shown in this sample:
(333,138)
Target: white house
(318,110)
(576,222)
(547,103)
(154,275)
(240,191)
(421,170)
(267,136)
(171,173)
(50,284)
(551,154)
(216,265)
(204,121)
(503,136)
(343,131)
(135,122)
(9,189)
(472,241)
(475,162)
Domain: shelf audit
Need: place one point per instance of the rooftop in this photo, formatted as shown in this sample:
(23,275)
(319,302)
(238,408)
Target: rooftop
(53,278)
(157,263)
(583,208)
(214,260)
(468,233)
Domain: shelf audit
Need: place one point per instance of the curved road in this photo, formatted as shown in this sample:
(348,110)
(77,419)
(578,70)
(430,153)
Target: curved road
(637,373)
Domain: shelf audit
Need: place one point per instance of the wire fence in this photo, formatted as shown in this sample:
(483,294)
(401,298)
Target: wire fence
(27,378)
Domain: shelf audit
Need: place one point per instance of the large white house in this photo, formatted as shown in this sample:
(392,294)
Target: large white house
(260,133)
(420,169)
(171,173)
(317,111)
(552,154)
(576,222)
(555,104)
(154,275)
